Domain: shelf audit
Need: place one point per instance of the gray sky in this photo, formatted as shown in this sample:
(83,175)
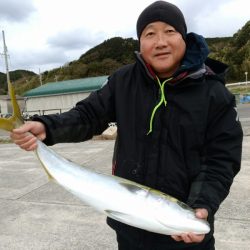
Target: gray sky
(46,34)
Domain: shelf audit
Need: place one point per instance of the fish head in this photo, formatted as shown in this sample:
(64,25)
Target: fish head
(176,216)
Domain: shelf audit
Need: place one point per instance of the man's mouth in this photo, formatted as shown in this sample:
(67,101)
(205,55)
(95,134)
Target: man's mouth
(164,54)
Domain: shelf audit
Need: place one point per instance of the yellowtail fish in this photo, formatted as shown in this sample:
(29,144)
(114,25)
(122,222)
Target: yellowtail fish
(118,198)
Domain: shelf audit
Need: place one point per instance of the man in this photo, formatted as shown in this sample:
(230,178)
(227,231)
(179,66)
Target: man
(177,126)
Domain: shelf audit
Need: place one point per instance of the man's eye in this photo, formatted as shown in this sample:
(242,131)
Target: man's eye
(150,34)
(170,31)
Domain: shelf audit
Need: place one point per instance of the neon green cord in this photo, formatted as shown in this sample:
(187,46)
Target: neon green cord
(163,100)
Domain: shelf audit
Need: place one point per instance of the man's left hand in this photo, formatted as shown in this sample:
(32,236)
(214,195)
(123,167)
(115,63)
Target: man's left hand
(201,213)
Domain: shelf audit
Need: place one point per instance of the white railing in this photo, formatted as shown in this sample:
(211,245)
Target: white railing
(238,83)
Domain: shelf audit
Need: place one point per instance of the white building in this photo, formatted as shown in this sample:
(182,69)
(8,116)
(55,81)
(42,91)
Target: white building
(57,97)
(6,107)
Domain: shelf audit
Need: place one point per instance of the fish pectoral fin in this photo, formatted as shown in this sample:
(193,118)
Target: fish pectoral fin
(134,187)
(119,216)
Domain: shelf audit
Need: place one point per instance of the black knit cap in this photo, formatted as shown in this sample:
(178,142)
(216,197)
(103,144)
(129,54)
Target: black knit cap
(164,12)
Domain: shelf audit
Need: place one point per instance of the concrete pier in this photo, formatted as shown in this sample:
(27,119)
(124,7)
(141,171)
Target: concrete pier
(37,214)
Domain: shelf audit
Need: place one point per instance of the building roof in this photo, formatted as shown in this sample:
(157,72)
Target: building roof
(65,87)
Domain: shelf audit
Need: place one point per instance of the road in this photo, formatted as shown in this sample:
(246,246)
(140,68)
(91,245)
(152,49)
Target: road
(244,113)
(244,110)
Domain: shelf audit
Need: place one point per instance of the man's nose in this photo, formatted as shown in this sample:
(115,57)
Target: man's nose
(161,40)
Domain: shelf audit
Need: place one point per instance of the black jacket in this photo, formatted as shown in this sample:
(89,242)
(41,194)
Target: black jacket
(194,149)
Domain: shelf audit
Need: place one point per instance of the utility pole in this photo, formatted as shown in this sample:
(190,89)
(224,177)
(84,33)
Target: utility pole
(5,53)
(40,78)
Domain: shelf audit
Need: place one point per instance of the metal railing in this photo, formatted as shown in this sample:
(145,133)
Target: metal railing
(238,84)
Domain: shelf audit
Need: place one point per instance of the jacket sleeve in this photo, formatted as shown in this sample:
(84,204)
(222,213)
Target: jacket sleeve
(221,155)
(88,118)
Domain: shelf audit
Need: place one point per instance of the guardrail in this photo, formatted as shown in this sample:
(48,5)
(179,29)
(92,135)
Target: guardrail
(238,83)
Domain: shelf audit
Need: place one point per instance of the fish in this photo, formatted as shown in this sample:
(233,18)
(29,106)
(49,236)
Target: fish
(118,198)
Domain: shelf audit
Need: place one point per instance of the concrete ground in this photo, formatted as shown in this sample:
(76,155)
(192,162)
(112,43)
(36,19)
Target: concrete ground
(37,214)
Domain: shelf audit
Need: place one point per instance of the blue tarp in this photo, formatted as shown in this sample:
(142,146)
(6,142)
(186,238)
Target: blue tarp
(245,99)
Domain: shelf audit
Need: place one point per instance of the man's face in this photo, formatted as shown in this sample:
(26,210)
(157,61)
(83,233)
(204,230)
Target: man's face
(162,47)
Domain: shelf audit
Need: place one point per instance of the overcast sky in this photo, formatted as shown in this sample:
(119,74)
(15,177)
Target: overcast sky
(46,34)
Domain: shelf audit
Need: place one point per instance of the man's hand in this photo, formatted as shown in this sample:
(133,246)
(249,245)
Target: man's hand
(26,136)
(201,213)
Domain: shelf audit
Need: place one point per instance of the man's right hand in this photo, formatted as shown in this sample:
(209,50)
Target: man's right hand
(26,136)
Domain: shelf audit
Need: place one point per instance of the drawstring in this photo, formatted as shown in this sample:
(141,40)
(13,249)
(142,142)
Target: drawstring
(163,100)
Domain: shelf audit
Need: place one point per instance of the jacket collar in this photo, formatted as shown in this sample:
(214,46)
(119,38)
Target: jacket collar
(196,53)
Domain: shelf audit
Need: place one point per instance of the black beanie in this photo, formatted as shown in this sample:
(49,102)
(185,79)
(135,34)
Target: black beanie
(164,12)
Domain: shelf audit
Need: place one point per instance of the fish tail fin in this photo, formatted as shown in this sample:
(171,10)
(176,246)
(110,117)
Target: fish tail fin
(7,124)
(16,119)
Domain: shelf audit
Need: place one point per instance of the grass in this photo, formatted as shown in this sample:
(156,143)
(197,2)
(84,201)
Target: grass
(243,89)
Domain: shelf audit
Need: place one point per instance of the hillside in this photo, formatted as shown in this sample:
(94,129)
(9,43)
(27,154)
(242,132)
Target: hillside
(103,59)
(3,86)
(16,76)
(111,54)
(234,51)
